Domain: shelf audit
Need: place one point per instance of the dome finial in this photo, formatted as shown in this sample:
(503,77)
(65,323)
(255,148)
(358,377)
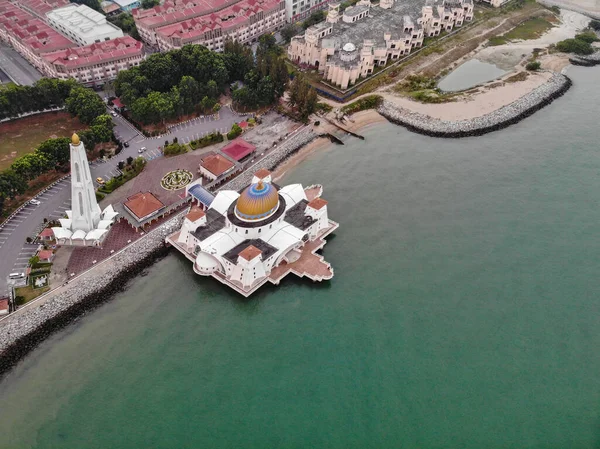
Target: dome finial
(75,139)
(260,185)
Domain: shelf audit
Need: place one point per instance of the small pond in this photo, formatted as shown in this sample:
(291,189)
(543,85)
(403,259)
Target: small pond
(469,74)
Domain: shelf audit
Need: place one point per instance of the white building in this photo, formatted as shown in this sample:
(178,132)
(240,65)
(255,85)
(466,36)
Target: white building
(86,224)
(82,24)
(260,235)
(349,45)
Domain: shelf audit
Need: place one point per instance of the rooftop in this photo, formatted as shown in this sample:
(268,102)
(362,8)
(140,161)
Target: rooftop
(296,217)
(249,249)
(115,49)
(47,232)
(41,7)
(194,22)
(214,223)
(83,21)
(318,203)
(238,149)
(217,164)
(262,173)
(45,254)
(372,27)
(30,30)
(195,213)
(143,204)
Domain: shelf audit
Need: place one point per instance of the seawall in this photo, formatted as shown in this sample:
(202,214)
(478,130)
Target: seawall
(586,61)
(24,329)
(507,115)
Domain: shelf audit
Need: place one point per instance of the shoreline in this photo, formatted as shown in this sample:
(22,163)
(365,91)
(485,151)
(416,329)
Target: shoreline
(498,119)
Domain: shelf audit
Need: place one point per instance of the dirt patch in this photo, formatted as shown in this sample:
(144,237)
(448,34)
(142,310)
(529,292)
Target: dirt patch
(22,136)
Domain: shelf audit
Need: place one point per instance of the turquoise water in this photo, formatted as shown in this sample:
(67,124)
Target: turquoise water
(470,74)
(464,313)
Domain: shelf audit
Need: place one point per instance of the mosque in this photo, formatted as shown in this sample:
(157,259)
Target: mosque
(260,234)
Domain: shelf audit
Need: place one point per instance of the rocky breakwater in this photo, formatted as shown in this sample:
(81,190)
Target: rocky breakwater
(23,330)
(586,61)
(284,150)
(505,116)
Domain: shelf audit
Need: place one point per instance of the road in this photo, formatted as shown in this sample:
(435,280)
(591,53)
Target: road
(15,252)
(18,69)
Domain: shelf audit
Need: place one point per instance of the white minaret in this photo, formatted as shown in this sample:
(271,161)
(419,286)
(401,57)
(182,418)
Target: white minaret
(85,213)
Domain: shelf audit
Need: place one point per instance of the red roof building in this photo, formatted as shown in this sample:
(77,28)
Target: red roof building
(47,234)
(176,23)
(45,255)
(4,306)
(96,62)
(117,103)
(39,8)
(143,205)
(238,149)
(29,35)
(215,165)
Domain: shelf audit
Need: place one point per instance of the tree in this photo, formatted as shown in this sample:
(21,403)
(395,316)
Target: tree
(34,260)
(102,128)
(31,165)
(216,108)
(315,17)
(85,104)
(11,184)
(577,46)
(190,93)
(56,150)
(147,4)
(595,25)
(289,31)
(303,97)
(207,103)
(236,130)
(129,160)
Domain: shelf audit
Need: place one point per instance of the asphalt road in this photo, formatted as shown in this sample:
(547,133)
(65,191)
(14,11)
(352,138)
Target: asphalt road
(15,252)
(18,69)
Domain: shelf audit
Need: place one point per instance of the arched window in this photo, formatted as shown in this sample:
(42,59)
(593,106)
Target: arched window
(77,172)
(80,202)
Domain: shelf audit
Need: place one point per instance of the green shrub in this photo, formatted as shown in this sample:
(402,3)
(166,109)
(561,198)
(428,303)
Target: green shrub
(206,141)
(236,130)
(595,25)
(588,36)
(533,66)
(576,46)
(323,107)
(174,148)
(368,102)
(99,196)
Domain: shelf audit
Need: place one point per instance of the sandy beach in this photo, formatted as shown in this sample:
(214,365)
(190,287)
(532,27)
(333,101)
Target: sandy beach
(477,104)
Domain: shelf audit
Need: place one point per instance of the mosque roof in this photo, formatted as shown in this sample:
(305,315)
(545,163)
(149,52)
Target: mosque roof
(257,202)
(262,173)
(244,250)
(318,203)
(250,253)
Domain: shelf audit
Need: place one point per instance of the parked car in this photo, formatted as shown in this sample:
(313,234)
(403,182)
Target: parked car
(35,202)
(141,150)
(126,145)
(16,275)
(99,180)
(113,113)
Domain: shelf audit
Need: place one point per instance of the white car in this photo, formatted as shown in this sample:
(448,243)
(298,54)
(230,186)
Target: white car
(35,202)
(141,150)
(113,113)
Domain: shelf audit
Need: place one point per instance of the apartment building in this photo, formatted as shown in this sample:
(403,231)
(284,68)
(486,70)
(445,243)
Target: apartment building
(177,23)
(95,63)
(28,34)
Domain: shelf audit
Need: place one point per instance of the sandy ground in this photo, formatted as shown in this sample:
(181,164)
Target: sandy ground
(358,121)
(509,55)
(475,105)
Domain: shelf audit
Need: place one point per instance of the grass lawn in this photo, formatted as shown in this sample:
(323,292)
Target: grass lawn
(28,293)
(21,136)
(530,29)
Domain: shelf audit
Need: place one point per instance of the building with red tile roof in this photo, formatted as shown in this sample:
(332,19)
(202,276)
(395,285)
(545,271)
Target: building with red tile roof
(215,165)
(98,62)
(45,255)
(180,22)
(195,213)
(29,35)
(143,205)
(47,234)
(4,306)
(318,203)
(238,149)
(39,8)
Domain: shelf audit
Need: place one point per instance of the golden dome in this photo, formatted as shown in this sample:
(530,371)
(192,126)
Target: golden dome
(75,139)
(257,201)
